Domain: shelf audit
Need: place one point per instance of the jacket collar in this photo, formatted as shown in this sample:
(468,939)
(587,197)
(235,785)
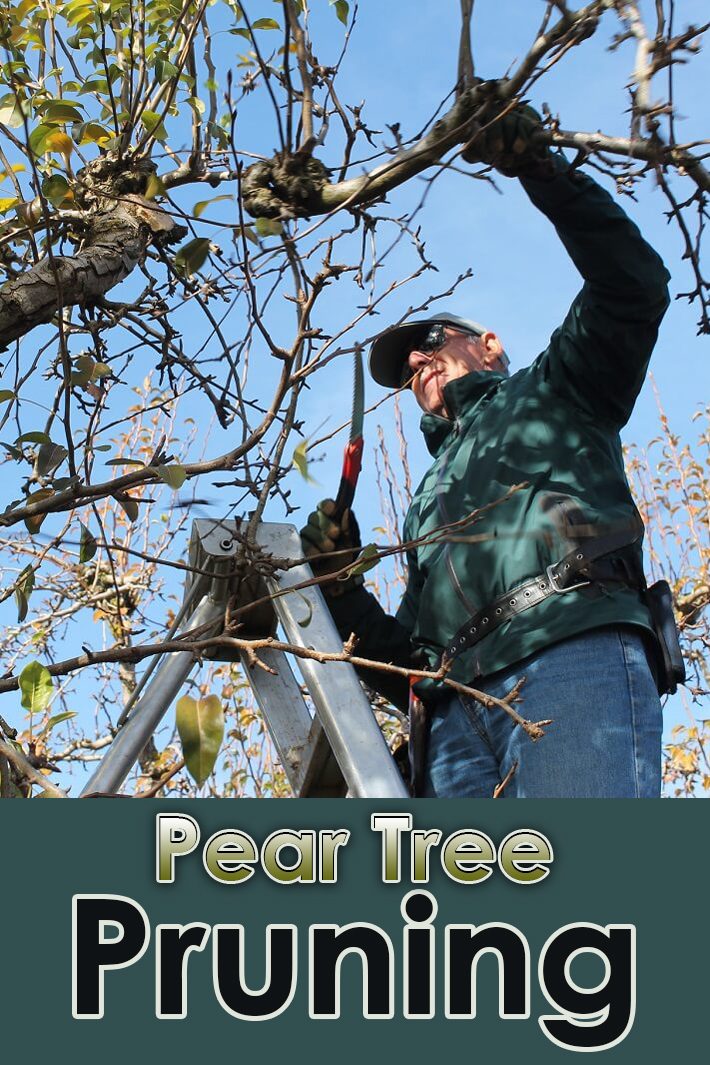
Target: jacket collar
(460,395)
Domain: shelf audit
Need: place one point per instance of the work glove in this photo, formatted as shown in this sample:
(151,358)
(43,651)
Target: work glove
(324,534)
(507,143)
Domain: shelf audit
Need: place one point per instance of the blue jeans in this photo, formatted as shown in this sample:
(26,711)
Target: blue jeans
(604,742)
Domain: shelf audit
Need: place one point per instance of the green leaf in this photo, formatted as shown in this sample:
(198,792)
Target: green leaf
(123,462)
(26,580)
(87,544)
(342,10)
(44,139)
(23,591)
(248,233)
(56,190)
(60,483)
(192,255)
(268,227)
(34,522)
(129,507)
(61,111)
(154,186)
(153,123)
(76,10)
(199,207)
(34,437)
(49,458)
(11,111)
(265,24)
(173,475)
(13,451)
(84,372)
(5,395)
(368,558)
(300,461)
(164,70)
(22,605)
(36,687)
(200,725)
(57,719)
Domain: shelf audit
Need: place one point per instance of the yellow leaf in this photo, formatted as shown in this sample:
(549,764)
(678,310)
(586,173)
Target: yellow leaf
(16,168)
(57,141)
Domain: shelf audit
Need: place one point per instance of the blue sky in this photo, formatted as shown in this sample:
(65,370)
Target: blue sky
(402,63)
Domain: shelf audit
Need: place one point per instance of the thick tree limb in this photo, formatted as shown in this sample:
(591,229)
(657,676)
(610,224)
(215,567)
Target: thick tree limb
(116,242)
(281,188)
(466,68)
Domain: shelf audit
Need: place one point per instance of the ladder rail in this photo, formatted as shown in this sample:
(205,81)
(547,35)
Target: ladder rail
(341,704)
(157,697)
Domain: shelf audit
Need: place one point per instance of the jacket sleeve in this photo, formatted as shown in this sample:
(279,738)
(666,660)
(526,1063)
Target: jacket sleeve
(381,637)
(599,356)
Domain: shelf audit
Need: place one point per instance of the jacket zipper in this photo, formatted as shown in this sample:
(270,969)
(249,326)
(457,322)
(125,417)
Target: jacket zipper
(445,519)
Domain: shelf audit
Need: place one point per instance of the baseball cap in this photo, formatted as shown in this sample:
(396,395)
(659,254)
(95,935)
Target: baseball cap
(391,348)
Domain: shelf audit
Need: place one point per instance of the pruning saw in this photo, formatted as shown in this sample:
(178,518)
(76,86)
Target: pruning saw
(352,459)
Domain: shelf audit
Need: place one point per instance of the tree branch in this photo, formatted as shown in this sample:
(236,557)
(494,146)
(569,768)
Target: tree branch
(27,771)
(116,242)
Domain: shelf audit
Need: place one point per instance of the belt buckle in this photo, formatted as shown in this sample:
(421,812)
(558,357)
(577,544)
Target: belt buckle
(553,579)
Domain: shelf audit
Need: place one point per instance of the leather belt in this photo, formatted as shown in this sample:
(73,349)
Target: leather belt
(585,562)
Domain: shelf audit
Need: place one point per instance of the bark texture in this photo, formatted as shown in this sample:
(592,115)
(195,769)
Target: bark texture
(117,239)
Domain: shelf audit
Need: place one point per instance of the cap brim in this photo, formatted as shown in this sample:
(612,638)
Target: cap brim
(389,351)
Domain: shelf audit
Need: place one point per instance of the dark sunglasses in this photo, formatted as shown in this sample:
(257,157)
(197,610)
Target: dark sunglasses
(433,339)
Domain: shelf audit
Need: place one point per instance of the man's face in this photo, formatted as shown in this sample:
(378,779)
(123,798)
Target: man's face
(459,354)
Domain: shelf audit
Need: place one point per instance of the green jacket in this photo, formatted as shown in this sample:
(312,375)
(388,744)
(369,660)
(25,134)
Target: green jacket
(554,427)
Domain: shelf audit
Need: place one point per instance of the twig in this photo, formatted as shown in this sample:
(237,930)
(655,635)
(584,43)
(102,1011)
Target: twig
(503,784)
(151,792)
(27,771)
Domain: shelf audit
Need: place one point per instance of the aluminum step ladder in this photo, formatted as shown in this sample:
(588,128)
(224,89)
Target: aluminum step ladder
(337,751)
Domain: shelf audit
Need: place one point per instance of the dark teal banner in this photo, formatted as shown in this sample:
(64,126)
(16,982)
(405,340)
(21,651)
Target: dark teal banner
(472,928)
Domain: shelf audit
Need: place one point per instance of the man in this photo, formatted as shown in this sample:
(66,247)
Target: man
(545,582)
